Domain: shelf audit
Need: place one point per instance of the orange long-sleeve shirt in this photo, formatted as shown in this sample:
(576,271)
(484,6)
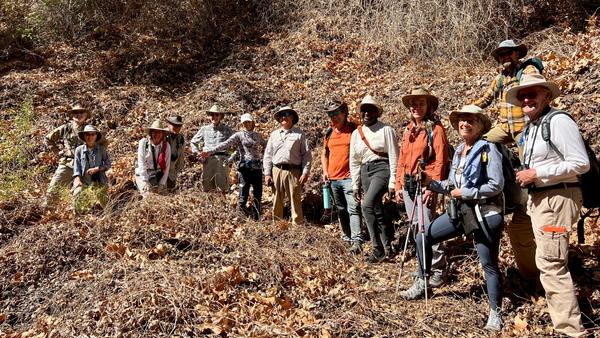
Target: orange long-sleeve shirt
(414,148)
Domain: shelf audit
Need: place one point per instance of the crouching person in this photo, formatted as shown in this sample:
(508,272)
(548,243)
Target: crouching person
(475,185)
(153,160)
(91,161)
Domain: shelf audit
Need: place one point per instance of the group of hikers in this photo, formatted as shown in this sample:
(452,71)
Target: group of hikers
(361,164)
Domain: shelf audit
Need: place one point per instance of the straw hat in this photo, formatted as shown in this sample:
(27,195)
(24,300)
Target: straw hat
(531,80)
(246,118)
(509,44)
(217,109)
(175,120)
(471,109)
(157,125)
(76,108)
(336,107)
(432,101)
(89,129)
(370,100)
(284,109)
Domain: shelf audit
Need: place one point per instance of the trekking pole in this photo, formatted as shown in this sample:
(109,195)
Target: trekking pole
(410,225)
(421,221)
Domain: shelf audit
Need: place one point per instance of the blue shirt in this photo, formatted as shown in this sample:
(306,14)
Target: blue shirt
(86,158)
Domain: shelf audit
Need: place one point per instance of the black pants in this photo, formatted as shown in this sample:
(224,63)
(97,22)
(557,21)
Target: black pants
(250,177)
(374,177)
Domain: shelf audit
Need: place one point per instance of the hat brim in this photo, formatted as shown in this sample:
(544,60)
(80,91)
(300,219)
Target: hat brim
(174,122)
(81,135)
(431,100)
(209,113)
(79,110)
(378,107)
(455,114)
(511,94)
(148,130)
(342,108)
(522,49)
(295,118)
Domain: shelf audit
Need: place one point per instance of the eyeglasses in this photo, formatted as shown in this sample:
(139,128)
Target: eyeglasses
(521,96)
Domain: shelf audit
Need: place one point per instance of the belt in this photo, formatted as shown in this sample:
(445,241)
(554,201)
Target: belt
(554,186)
(286,166)
(220,154)
(376,162)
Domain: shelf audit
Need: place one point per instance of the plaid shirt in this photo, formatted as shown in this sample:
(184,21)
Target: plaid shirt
(512,119)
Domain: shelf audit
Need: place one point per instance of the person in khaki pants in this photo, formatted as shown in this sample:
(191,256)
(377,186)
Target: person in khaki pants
(554,193)
(286,163)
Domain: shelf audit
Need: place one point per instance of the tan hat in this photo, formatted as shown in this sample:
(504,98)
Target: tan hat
(76,108)
(286,109)
(509,44)
(370,100)
(175,120)
(157,125)
(471,109)
(432,101)
(89,129)
(217,109)
(336,107)
(531,80)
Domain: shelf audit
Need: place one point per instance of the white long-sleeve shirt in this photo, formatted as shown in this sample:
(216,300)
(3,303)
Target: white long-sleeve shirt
(539,155)
(382,138)
(144,166)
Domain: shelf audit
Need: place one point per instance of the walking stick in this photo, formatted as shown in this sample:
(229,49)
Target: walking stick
(410,225)
(421,221)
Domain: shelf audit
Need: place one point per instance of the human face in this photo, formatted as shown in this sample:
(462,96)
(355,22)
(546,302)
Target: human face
(174,129)
(286,120)
(90,139)
(508,57)
(418,108)
(156,136)
(534,100)
(469,127)
(80,117)
(248,125)
(216,118)
(338,120)
(369,114)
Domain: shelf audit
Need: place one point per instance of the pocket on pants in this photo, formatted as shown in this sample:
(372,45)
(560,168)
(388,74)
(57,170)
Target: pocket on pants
(554,248)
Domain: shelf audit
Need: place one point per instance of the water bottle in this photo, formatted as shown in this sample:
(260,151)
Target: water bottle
(326,197)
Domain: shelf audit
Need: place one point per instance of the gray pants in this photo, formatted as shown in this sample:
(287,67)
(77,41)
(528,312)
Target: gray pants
(215,174)
(375,177)
(438,261)
(61,179)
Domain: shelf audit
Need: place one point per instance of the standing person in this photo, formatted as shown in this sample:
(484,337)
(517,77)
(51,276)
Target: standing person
(249,146)
(335,160)
(475,182)
(153,160)
(177,143)
(424,140)
(65,137)
(554,193)
(215,168)
(373,161)
(508,131)
(286,163)
(89,170)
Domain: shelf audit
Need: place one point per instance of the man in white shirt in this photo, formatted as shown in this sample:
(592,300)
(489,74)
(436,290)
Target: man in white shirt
(551,174)
(373,161)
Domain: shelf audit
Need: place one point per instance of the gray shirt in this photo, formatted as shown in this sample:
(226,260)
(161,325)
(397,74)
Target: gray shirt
(287,147)
(210,136)
(248,143)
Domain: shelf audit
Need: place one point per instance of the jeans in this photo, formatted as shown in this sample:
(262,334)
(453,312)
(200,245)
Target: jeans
(347,209)
(250,177)
(375,177)
(487,240)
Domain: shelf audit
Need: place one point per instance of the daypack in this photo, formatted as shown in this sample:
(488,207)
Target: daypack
(328,133)
(512,190)
(535,61)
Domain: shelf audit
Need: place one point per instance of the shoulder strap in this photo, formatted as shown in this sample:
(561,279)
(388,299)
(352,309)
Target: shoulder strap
(546,129)
(362,136)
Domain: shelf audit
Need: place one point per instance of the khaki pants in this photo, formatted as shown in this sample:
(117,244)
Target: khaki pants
(62,178)
(287,183)
(499,135)
(215,174)
(559,209)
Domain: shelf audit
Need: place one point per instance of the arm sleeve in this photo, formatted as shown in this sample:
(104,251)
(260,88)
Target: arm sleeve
(440,149)
(77,165)
(165,177)
(232,142)
(106,162)
(495,178)
(196,140)
(354,161)
(490,93)
(565,136)
(141,161)
(402,149)
(268,157)
(306,155)
(53,137)
(391,143)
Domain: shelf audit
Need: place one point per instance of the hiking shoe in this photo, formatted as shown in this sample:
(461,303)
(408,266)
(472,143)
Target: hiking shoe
(372,259)
(417,290)
(436,280)
(356,248)
(494,322)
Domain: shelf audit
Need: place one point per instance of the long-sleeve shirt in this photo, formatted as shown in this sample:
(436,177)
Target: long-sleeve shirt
(538,154)
(248,144)
(86,158)
(67,137)
(512,118)
(209,136)
(145,167)
(382,138)
(287,147)
(177,143)
(415,147)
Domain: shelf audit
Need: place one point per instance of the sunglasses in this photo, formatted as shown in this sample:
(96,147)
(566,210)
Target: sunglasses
(521,96)
(333,113)
(285,113)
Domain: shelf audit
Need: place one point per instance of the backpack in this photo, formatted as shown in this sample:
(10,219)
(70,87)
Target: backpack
(329,131)
(589,181)
(512,190)
(535,61)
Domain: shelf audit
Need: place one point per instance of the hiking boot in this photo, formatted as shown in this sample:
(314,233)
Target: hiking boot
(417,290)
(356,248)
(372,259)
(436,280)
(494,322)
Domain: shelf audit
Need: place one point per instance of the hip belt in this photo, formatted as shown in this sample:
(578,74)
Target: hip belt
(554,187)
(286,166)
(375,162)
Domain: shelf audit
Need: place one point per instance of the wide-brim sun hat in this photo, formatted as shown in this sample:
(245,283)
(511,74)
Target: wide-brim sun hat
(509,44)
(286,109)
(76,108)
(369,100)
(532,80)
(89,129)
(216,109)
(175,120)
(432,100)
(157,125)
(334,108)
(471,109)
(246,118)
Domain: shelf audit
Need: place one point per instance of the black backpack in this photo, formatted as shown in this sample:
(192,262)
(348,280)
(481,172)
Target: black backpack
(589,181)
(512,190)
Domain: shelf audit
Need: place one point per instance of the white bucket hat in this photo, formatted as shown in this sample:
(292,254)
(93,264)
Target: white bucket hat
(295,116)
(157,125)
(509,44)
(370,100)
(532,80)
(471,109)
(246,118)
(89,129)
